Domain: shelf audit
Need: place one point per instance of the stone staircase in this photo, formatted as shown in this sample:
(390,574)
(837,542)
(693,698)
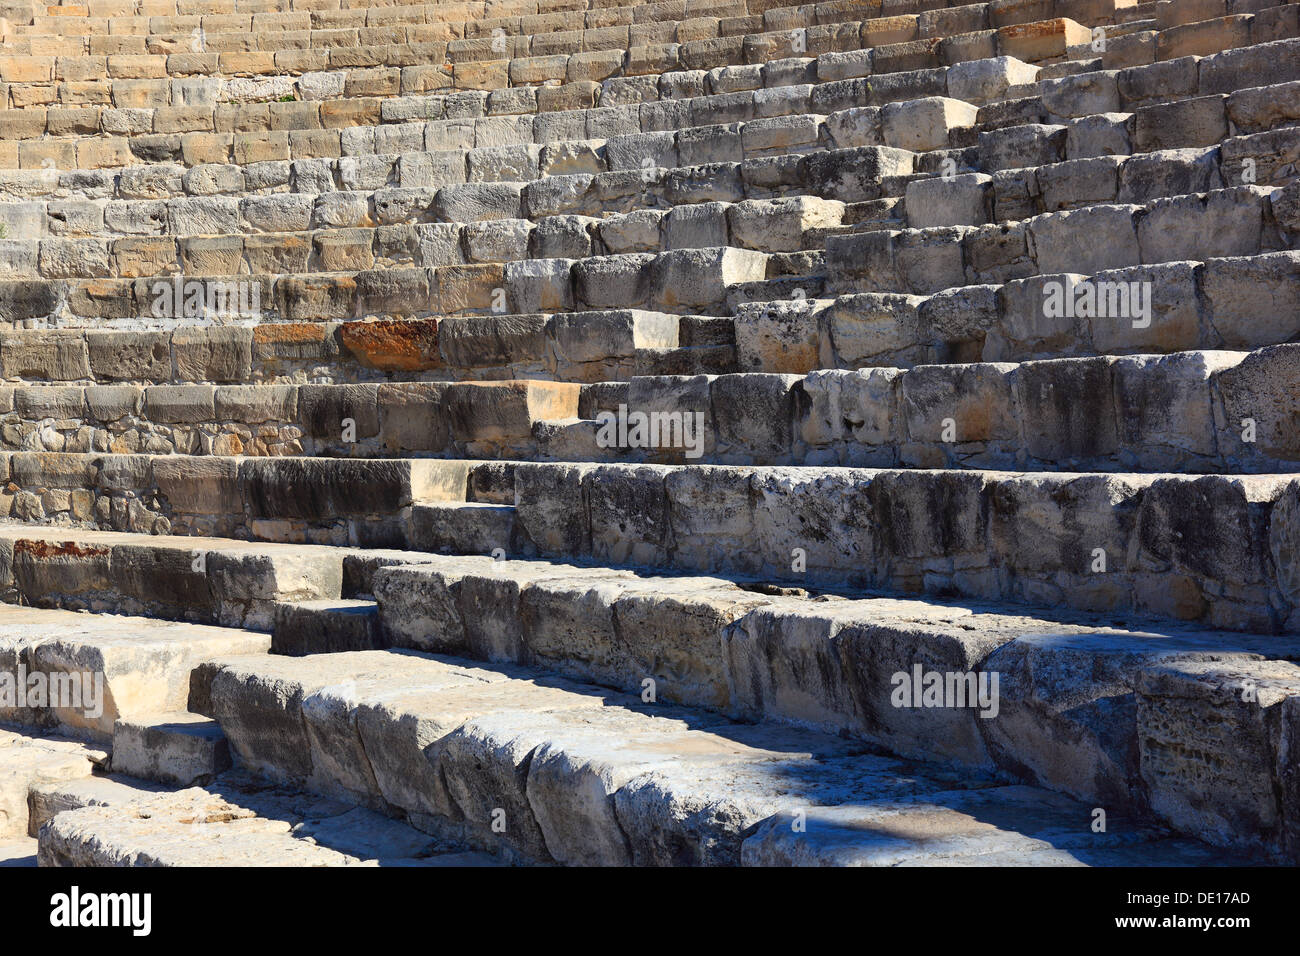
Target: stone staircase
(703,432)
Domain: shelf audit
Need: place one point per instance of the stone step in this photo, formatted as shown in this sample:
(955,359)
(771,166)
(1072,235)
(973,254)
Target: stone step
(394,183)
(1200,411)
(28,763)
(101,790)
(587,179)
(1204,412)
(265,27)
(823,660)
(336,230)
(389,61)
(562,216)
(365,502)
(1247,111)
(480,19)
(354,14)
(835,665)
(385,191)
(1150,543)
(1214,304)
(427,23)
(682,282)
(201,580)
(326,626)
(1012,826)
(514,57)
(233,821)
(792,224)
(962,564)
(574,776)
(372,74)
(178,749)
(493,119)
(449,420)
(470,527)
(480,22)
(287,19)
(1218,223)
(266,143)
(499,111)
(112,674)
(238,584)
(407,49)
(1247,221)
(189,106)
(591,346)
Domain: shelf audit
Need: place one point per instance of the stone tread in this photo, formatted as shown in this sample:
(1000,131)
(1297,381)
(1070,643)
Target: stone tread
(18,852)
(235,821)
(144,663)
(593,779)
(28,761)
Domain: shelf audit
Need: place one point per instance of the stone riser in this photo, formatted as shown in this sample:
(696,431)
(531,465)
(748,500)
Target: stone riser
(326,626)
(684,282)
(180,496)
(451,420)
(326,500)
(761,225)
(1239,221)
(1212,305)
(1018,538)
(589,346)
(1183,412)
